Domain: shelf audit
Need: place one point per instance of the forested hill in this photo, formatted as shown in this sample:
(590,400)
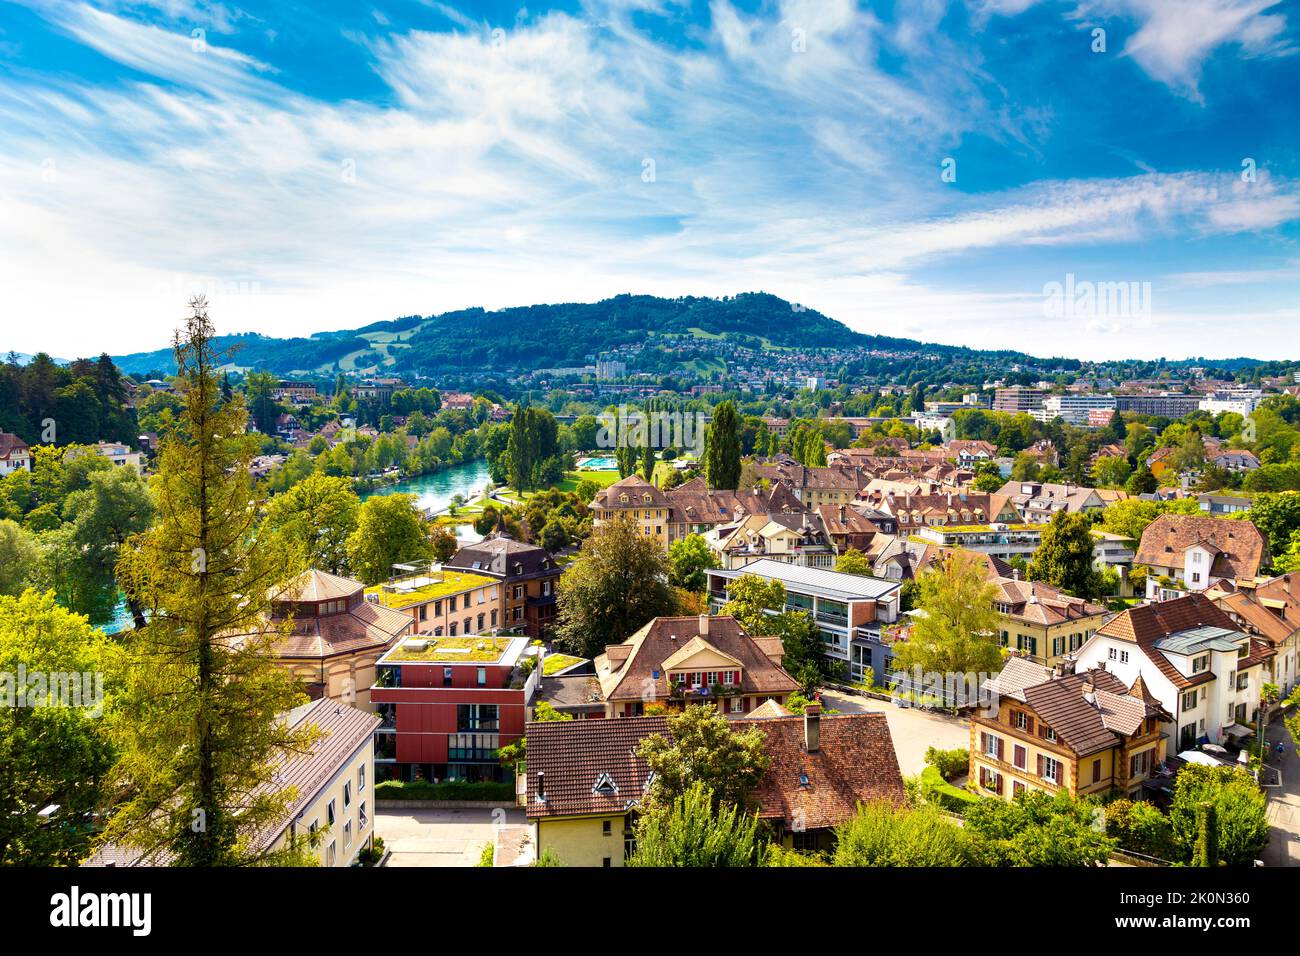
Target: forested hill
(543,336)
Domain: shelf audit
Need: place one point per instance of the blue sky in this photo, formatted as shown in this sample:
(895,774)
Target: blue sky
(327,165)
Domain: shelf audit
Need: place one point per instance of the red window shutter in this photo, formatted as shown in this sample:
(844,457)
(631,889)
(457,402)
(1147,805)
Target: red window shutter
(1029,725)
(984,743)
(999,784)
(1001,749)
(1040,765)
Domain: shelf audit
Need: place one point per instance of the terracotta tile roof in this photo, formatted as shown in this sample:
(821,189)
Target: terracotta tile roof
(1239,547)
(644,653)
(1256,618)
(767,710)
(500,554)
(855,763)
(10,443)
(591,767)
(1147,623)
(1039,603)
(577,755)
(1082,725)
(315,585)
(636,488)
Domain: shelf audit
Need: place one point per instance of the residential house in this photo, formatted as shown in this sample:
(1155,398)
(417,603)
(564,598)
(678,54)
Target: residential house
(1218,505)
(792,538)
(1039,501)
(1041,623)
(15,454)
(1270,612)
(1087,733)
(1193,658)
(638,500)
(852,612)
(1187,553)
(585,783)
(689,660)
(528,573)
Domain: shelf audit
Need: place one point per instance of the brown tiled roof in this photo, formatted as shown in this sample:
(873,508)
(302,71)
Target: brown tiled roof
(315,585)
(854,764)
(842,519)
(1083,726)
(1256,618)
(576,755)
(1039,603)
(636,489)
(1147,623)
(647,649)
(1240,547)
(500,554)
(10,443)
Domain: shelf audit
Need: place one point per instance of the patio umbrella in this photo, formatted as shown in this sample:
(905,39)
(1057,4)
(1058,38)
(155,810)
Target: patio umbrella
(1215,749)
(1195,756)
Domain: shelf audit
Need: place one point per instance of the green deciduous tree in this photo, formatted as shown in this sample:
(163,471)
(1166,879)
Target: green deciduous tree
(882,834)
(703,746)
(1064,558)
(390,530)
(722,457)
(1240,811)
(51,754)
(1040,829)
(853,561)
(619,582)
(197,731)
(955,632)
(20,558)
(316,517)
(691,557)
(695,830)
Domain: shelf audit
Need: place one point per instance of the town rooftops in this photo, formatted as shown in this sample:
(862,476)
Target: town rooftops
(1091,710)
(500,554)
(824,583)
(1197,639)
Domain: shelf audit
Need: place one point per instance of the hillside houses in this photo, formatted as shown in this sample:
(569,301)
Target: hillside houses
(1187,553)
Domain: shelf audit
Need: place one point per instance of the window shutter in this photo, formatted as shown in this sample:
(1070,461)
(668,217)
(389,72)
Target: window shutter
(1029,724)
(999,784)
(1001,748)
(984,743)
(1040,765)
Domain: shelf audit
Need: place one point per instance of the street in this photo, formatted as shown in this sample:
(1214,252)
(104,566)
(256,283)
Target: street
(440,837)
(914,730)
(1284,803)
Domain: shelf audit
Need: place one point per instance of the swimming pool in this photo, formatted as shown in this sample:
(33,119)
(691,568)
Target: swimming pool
(598,464)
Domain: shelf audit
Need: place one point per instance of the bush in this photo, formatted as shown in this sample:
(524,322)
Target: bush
(1240,811)
(934,789)
(884,835)
(1140,828)
(487,791)
(486,856)
(950,763)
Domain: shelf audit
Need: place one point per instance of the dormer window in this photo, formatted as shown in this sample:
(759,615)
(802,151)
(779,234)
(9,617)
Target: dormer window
(605,785)
(623,499)
(646,498)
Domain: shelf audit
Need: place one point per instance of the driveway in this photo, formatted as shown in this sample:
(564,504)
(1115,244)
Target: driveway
(1284,803)
(440,837)
(914,730)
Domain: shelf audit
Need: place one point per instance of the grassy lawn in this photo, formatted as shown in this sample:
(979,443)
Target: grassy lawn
(602,479)
(448,649)
(558,662)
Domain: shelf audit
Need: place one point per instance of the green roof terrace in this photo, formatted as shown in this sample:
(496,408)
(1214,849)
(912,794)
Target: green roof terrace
(421,588)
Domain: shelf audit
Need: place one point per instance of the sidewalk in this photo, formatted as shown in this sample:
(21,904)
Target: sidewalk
(1284,803)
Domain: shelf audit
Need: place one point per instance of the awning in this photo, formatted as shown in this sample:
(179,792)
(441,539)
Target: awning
(1195,756)
(1237,730)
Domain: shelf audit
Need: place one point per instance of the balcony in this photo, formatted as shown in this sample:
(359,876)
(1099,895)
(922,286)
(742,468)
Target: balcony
(831,617)
(708,692)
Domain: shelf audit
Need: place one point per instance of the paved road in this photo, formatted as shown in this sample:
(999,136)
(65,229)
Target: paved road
(1284,804)
(913,730)
(439,837)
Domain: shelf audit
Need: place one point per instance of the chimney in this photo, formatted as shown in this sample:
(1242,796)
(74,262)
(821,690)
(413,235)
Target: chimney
(812,728)
(1089,691)
(1067,666)
(541,785)
(704,625)
(842,513)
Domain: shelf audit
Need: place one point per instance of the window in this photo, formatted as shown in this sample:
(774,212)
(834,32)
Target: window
(606,828)
(1189,700)
(362,818)
(1018,757)
(1050,734)
(347,794)
(1051,769)
(1123,657)
(1200,663)
(1113,653)
(347,834)
(481,676)
(992,746)
(446,673)
(329,814)
(330,855)
(1096,770)
(1022,720)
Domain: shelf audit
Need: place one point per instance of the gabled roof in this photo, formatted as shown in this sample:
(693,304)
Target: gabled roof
(1238,546)
(693,648)
(1146,624)
(626,671)
(1083,725)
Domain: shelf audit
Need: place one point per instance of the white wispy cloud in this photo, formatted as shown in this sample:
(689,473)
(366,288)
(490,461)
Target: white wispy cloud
(568,157)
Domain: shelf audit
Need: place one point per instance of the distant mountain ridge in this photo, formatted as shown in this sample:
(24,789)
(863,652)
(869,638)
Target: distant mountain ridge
(543,336)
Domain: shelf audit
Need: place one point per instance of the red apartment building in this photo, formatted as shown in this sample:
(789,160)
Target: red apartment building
(447,704)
